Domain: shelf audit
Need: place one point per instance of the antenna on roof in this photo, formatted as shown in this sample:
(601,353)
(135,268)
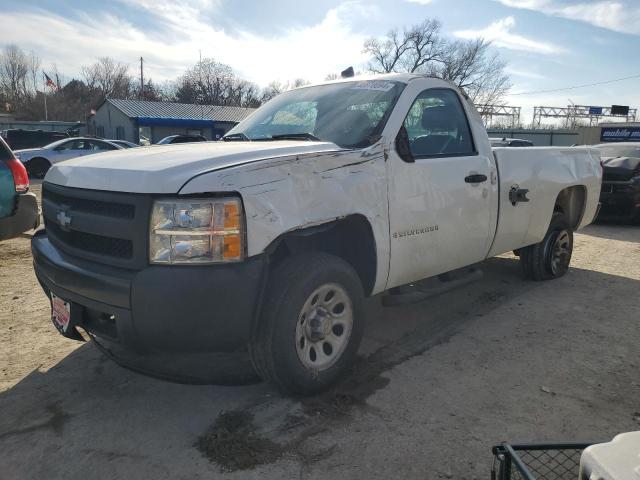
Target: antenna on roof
(347,73)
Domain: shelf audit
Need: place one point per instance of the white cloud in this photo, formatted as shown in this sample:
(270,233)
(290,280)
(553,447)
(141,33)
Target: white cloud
(526,74)
(420,2)
(501,34)
(530,4)
(308,52)
(617,15)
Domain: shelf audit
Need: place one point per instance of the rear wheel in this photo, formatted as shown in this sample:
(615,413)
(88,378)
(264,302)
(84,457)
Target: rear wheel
(311,325)
(38,167)
(550,258)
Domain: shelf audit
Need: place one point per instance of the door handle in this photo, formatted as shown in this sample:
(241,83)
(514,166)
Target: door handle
(475,178)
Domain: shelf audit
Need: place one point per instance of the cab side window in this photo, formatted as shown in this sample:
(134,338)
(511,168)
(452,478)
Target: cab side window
(70,145)
(99,146)
(437,126)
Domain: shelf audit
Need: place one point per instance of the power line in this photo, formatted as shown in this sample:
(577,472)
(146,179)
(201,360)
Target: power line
(577,86)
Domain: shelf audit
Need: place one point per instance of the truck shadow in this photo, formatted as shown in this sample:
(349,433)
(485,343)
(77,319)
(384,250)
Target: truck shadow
(109,419)
(613,231)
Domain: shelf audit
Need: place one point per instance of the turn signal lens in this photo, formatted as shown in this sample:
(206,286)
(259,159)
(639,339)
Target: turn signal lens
(232,249)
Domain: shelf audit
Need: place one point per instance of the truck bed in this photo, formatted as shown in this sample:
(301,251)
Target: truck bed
(544,172)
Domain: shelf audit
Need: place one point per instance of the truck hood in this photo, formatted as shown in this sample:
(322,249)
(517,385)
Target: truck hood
(620,169)
(630,163)
(167,168)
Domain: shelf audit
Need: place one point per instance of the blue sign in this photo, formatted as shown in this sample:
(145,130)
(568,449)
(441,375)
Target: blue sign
(595,110)
(622,134)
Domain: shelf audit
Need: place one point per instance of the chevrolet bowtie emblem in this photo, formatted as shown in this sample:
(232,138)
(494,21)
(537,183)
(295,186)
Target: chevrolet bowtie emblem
(63,219)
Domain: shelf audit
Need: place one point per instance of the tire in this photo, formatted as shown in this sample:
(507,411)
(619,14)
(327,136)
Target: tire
(38,167)
(550,258)
(304,347)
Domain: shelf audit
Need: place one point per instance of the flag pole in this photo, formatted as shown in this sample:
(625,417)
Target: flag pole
(44,93)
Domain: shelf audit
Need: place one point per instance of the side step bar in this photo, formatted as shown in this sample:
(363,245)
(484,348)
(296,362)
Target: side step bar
(416,293)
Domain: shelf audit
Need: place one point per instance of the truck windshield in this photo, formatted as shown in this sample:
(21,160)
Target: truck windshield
(350,114)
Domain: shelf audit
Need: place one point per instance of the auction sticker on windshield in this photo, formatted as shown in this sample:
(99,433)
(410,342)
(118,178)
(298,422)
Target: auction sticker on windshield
(380,85)
(60,313)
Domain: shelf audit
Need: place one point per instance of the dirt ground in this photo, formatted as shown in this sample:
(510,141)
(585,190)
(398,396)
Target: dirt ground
(437,384)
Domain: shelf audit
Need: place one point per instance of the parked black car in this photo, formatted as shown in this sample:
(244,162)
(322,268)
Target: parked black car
(620,194)
(510,142)
(181,139)
(18,138)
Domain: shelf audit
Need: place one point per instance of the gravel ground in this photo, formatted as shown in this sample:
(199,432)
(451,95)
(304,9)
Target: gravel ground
(437,385)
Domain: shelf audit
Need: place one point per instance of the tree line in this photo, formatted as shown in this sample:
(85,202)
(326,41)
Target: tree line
(419,48)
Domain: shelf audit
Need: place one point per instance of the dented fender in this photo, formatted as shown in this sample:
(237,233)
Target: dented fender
(285,194)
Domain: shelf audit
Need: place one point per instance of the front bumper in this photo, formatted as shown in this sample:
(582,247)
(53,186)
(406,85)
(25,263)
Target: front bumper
(158,309)
(25,217)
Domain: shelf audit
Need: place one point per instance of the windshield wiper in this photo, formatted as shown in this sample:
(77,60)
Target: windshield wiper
(236,137)
(296,136)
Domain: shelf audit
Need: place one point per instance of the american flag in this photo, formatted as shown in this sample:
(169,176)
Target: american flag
(50,83)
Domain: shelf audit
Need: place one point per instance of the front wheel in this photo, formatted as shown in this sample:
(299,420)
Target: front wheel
(311,324)
(550,258)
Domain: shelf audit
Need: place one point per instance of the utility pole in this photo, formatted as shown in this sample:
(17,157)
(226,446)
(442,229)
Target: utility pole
(141,79)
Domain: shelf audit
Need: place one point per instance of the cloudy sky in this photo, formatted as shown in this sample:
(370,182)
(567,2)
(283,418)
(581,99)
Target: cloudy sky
(548,44)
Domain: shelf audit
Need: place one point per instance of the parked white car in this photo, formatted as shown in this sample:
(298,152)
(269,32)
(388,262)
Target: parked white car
(124,143)
(39,160)
(269,241)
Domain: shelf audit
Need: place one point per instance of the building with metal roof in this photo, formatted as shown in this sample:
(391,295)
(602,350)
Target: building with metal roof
(140,121)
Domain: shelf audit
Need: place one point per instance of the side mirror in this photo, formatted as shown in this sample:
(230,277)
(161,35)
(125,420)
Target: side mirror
(403,146)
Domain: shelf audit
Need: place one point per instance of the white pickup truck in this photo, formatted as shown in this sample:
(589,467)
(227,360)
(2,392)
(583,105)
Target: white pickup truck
(269,240)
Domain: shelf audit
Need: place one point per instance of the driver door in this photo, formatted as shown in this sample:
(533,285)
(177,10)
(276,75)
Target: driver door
(441,191)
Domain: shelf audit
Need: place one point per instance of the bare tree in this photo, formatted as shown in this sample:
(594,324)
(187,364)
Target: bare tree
(421,49)
(297,83)
(275,88)
(472,67)
(35,76)
(153,92)
(108,77)
(14,67)
(244,94)
(424,46)
(409,51)
(207,83)
(386,53)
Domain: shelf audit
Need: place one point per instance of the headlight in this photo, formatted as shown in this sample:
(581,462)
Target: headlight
(196,230)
